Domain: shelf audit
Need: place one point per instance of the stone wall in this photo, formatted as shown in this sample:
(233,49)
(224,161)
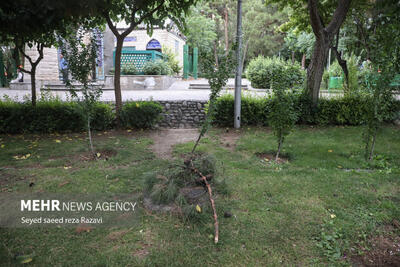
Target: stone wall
(182,114)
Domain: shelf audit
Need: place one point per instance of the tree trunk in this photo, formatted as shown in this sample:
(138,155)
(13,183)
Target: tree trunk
(90,138)
(279,148)
(303,62)
(371,154)
(293,57)
(216,54)
(323,39)
(117,76)
(226,30)
(316,68)
(33,84)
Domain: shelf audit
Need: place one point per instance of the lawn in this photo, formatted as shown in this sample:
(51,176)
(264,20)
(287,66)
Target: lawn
(326,205)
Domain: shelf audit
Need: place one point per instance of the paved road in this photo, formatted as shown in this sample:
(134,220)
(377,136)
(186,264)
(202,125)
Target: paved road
(178,91)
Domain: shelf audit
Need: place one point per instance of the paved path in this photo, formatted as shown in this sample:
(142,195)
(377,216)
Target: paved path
(178,91)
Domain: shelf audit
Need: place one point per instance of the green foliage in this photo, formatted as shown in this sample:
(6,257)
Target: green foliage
(128,70)
(170,57)
(282,115)
(157,67)
(260,28)
(103,117)
(174,184)
(140,114)
(217,78)
(200,29)
(254,110)
(261,71)
(347,110)
(49,116)
(334,71)
(379,108)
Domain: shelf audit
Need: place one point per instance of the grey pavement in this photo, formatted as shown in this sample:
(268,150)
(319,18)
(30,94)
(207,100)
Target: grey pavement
(177,91)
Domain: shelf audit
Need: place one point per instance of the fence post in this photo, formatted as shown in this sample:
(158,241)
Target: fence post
(195,60)
(185,61)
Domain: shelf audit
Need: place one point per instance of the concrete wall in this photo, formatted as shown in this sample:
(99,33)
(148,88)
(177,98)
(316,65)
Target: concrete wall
(47,70)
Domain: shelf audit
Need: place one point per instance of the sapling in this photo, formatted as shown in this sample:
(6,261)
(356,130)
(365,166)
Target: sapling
(380,99)
(217,78)
(80,54)
(282,115)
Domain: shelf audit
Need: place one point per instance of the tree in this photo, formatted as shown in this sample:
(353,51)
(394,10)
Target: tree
(200,29)
(81,57)
(325,19)
(134,13)
(37,22)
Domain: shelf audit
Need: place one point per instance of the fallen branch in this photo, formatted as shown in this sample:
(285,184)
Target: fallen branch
(204,180)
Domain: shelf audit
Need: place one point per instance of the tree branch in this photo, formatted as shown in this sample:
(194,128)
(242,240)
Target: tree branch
(111,25)
(338,16)
(315,18)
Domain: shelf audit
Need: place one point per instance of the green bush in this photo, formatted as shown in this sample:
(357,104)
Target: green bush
(103,117)
(49,116)
(157,67)
(348,110)
(254,110)
(140,114)
(170,57)
(261,71)
(129,70)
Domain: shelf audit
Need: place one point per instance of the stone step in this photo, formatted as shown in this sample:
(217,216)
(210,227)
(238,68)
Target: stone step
(206,86)
(77,88)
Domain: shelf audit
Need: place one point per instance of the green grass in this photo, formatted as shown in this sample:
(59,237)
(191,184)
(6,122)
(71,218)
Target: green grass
(283,213)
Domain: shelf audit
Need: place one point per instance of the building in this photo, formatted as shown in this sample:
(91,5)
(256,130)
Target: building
(48,69)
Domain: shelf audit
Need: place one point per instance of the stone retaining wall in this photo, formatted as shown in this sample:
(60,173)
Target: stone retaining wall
(182,114)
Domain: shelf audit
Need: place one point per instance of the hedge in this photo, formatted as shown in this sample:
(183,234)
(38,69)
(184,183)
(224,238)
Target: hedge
(348,110)
(140,114)
(50,116)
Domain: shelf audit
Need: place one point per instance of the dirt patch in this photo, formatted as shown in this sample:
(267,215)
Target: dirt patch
(269,156)
(229,138)
(165,139)
(382,251)
(116,235)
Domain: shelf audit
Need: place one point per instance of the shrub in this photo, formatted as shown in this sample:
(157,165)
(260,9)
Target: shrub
(50,116)
(253,112)
(140,114)
(170,57)
(103,117)
(157,67)
(348,110)
(260,72)
(129,70)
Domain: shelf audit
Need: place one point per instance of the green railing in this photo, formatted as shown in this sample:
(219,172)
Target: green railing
(130,56)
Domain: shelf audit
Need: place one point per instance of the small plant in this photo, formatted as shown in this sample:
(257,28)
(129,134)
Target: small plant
(381,98)
(282,115)
(81,57)
(129,70)
(170,57)
(157,67)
